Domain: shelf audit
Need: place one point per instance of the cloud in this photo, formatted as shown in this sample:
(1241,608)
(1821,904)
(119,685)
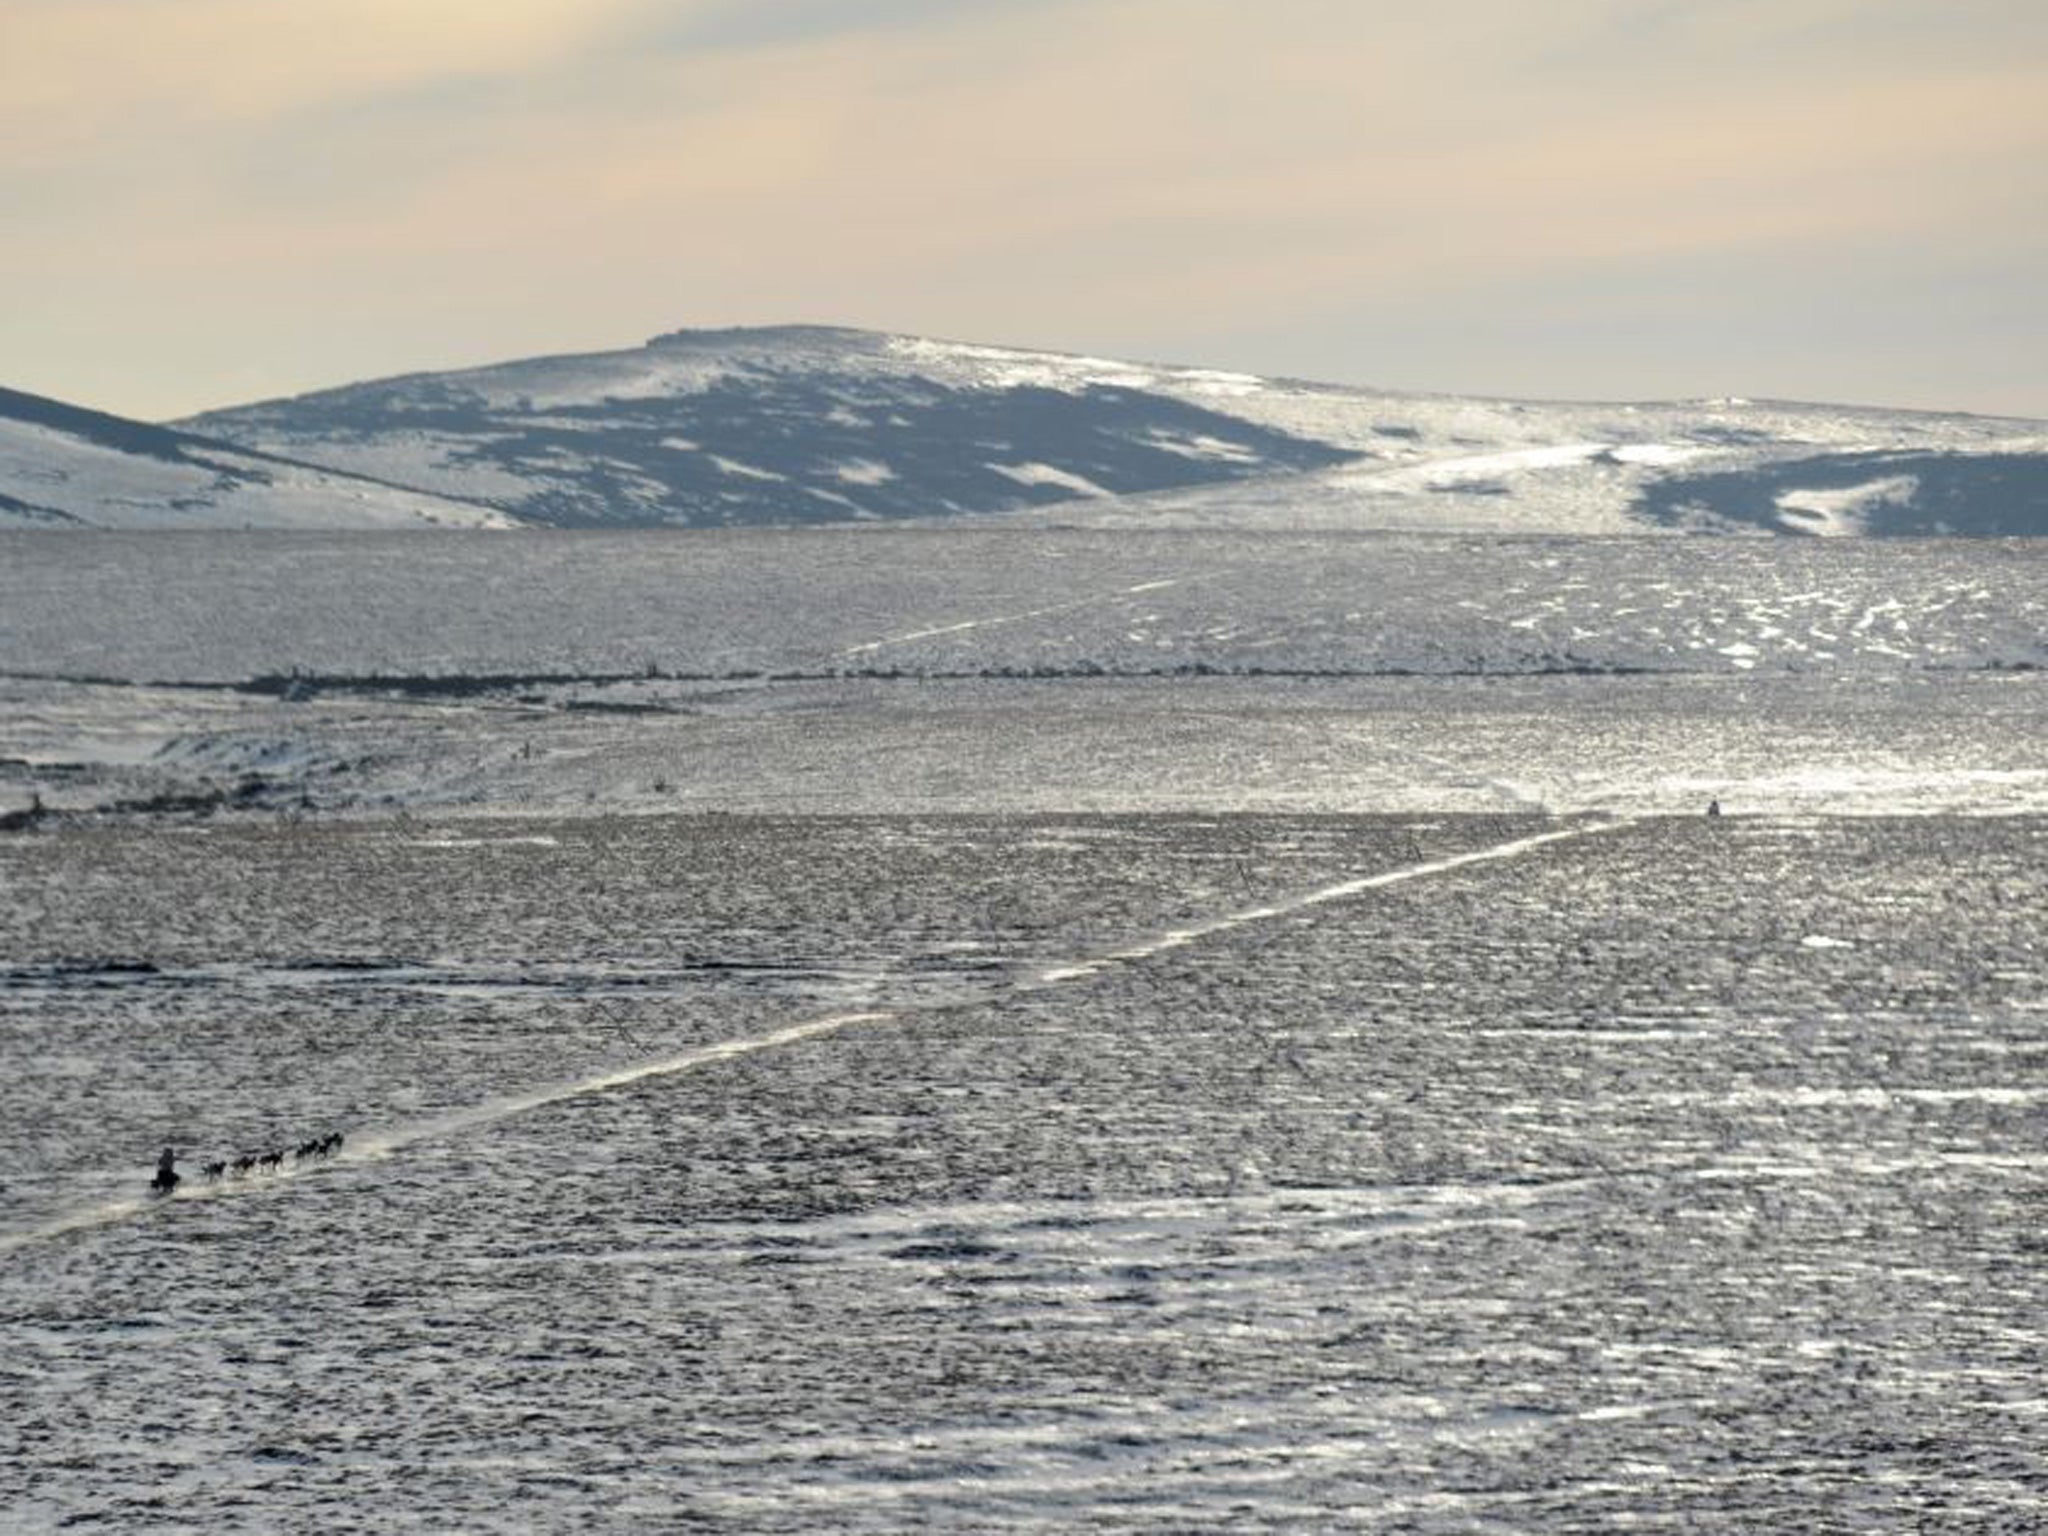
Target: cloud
(73,72)
(722,25)
(482,178)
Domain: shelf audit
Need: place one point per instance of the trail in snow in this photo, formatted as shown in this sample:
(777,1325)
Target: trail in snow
(382,1144)
(374,1145)
(102,1215)
(1013,618)
(1179,938)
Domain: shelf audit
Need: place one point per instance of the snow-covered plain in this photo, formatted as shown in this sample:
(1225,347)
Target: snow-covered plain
(1568,1189)
(964,1028)
(975,600)
(971,669)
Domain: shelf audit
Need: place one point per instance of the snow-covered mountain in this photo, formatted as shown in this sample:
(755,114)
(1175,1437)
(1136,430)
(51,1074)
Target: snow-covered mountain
(63,466)
(792,425)
(808,424)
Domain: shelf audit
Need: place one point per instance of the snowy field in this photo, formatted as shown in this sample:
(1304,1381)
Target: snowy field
(1023,1031)
(204,607)
(976,670)
(1670,1173)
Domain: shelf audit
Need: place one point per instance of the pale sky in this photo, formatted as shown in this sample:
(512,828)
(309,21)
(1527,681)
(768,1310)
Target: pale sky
(212,201)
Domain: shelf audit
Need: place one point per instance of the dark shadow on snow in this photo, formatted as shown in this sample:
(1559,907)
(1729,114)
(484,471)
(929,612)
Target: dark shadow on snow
(1981,495)
(121,435)
(797,446)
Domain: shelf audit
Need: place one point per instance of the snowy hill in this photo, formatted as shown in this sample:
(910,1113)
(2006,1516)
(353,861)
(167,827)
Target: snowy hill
(781,426)
(796,425)
(808,424)
(63,466)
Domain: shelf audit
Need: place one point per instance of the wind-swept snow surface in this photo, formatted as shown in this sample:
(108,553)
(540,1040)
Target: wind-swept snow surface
(977,1026)
(978,668)
(740,1173)
(813,424)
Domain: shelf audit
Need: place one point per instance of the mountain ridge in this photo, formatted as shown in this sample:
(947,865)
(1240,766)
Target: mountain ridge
(814,423)
(809,422)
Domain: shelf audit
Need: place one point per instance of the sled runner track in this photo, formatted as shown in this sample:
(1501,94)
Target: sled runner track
(375,1144)
(1014,618)
(371,1145)
(1180,937)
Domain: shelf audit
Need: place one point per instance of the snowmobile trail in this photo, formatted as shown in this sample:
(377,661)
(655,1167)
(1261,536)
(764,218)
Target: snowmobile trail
(370,1145)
